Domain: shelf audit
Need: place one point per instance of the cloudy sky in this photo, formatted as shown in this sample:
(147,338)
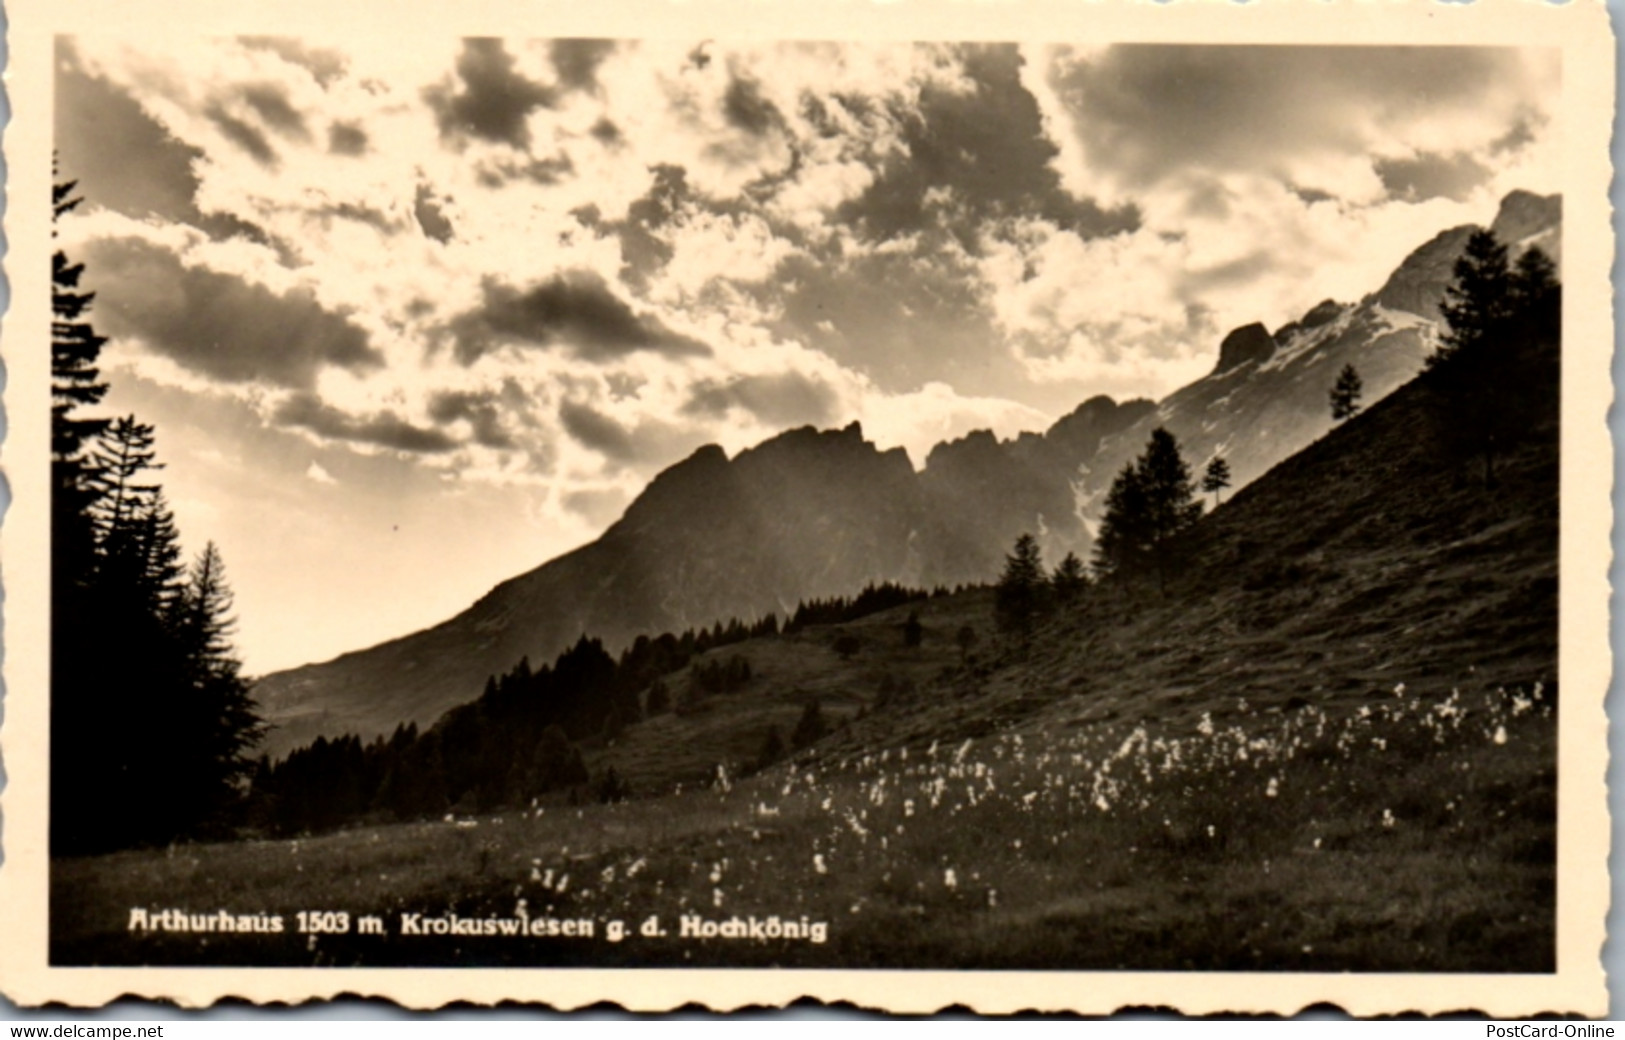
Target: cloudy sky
(410,322)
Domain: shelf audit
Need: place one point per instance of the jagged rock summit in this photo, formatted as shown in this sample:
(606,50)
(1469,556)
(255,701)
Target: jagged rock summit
(1250,343)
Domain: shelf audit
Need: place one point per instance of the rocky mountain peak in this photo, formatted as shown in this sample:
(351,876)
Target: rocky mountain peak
(1248,343)
(1320,314)
(1523,214)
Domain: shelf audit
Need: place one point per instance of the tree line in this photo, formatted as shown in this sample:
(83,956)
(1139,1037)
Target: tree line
(522,738)
(151,719)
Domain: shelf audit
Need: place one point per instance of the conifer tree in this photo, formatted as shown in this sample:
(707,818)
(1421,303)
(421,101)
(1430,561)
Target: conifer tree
(810,728)
(1498,319)
(75,347)
(1151,501)
(122,455)
(1345,394)
(1478,303)
(1023,591)
(1216,478)
(1069,579)
(659,699)
(913,631)
(214,700)
(1120,546)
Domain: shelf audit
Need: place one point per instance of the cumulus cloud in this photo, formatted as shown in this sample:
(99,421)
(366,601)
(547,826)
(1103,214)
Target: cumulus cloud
(431,218)
(480,411)
(244,134)
(493,101)
(643,446)
(316,473)
(270,102)
(600,507)
(746,109)
(346,139)
(576,61)
(575,310)
(1318,117)
(219,324)
(324,64)
(384,430)
(975,155)
(780,400)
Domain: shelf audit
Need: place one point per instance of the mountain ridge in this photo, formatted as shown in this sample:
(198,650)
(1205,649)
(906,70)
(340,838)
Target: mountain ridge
(811,513)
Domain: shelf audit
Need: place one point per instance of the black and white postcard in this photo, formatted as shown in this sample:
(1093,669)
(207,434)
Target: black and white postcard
(1041,506)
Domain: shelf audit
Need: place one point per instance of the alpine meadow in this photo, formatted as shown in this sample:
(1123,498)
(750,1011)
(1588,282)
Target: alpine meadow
(810,505)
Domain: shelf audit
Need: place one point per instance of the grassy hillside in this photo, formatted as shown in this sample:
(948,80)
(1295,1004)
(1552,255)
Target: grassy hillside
(1327,744)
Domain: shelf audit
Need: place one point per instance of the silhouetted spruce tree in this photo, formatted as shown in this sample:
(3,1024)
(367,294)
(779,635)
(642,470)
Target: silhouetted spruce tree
(913,631)
(810,728)
(1069,580)
(1345,394)
(122,455)
(78,679)
(1023,591)
(1151,501)
(213,706)
(1538,297)
(1499,318)
(1120,545)
(1216,478)
(611,788)
(965,638)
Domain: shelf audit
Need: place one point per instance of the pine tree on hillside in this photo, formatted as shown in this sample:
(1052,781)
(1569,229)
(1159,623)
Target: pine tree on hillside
(1151,501)
(810,728)
(1170,494)
(1345,394)
(1069,580)
(1499,319)
(1537,298)
(1216,478)
(1120,545)
(1023,591)
(75,347)
(215,698)
(1478,304)
(913,631)
(122,455)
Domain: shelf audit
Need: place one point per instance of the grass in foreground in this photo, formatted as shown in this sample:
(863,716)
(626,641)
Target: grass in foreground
(1404,835)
